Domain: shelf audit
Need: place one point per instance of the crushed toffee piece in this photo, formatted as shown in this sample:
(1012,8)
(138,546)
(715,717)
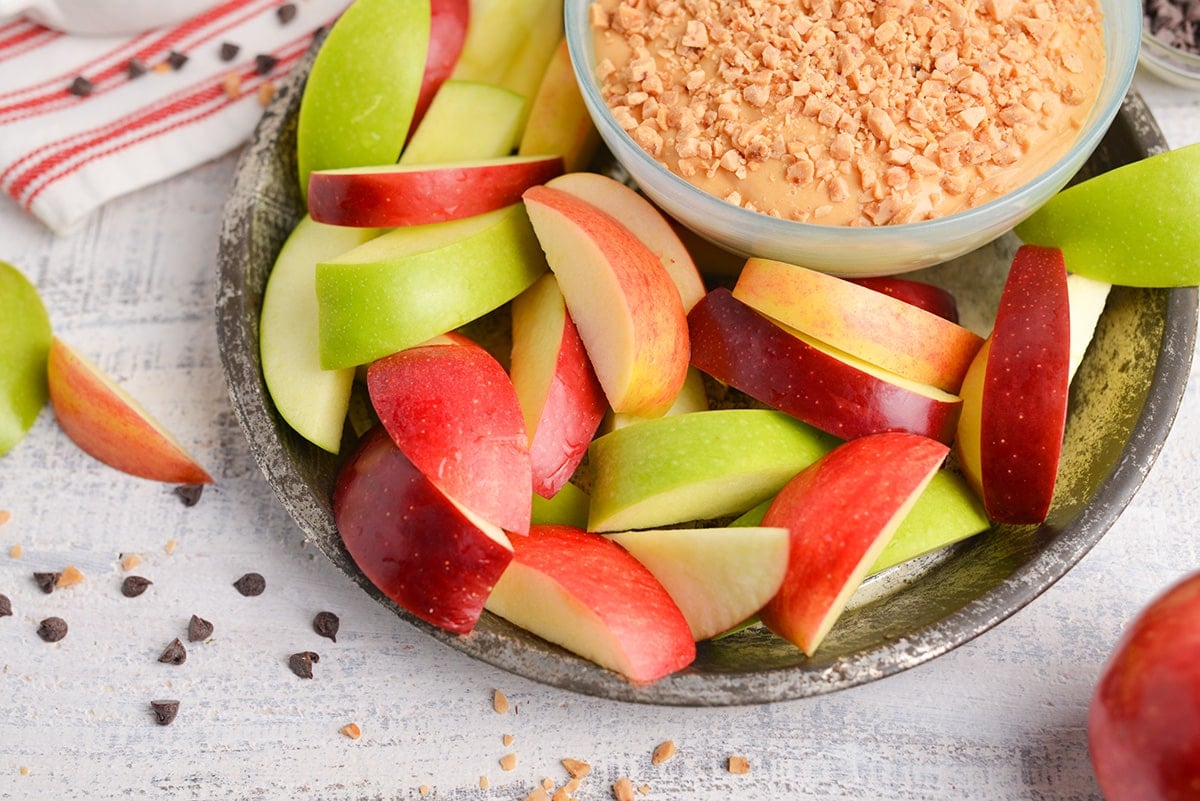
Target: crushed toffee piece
(70,576)
(133,586)
(47,581)
(351,730)
(229,51)
(190,493)
(663,752)
(738,764)
(81,86)
(5,606)
(199,629)
(164,711)
(286,13)
(251,584)
(326,624)
(499,702)
(576,768)
(301,663)
(622,789)
(174,654)
(52,629)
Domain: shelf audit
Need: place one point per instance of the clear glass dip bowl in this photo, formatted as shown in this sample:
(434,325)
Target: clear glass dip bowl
(1169,63)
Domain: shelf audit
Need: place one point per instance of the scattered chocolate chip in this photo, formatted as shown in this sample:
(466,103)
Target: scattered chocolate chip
(164,711)
(174,653)
(176,59)
(326,624)
(136,68)
(199,629)
(189,493)
(133,586)
(81,86)
(251,584)
(286,13)
(264,63)
(301,663)
(5,606)
(52,629)
(46,581)
(229,51)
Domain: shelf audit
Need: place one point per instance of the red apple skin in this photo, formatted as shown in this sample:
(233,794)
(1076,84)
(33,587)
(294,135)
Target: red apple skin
(374,198)
(410,540)
(452,410)
(1144,718)
(932,299)
(447,31)
(740,347)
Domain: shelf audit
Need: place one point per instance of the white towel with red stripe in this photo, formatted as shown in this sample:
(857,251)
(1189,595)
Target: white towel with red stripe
(81,124)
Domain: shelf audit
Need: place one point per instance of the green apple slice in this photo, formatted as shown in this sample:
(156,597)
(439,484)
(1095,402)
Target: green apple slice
(568,507)
(416,282)
(467,120)
(498,32)
(24,349)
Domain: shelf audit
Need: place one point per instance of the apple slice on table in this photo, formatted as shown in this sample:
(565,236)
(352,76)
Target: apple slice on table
(392,195)
(451,408)
(933,299)
(620,297)
(561,398)
(696,466)
(796,374)
(416,282)
(558,121)
(25,336)
(1137,225)
(840,513)
(417,546)
(466,120)
(719,577)
(1014,411)
(106,422)
(560,586)
(873,326)
(361,93)
(314,402)
(448,23)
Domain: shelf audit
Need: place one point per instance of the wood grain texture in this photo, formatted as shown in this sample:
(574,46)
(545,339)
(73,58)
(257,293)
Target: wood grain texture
(999,719)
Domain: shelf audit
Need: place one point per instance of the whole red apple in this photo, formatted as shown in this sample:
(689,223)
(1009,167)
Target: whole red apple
(1144,722)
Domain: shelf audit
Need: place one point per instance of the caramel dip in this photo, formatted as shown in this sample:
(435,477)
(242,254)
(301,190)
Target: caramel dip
(862,112)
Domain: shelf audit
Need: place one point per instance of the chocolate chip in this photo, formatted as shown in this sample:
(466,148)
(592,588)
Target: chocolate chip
(264,63)
(136,68)
(199,629)
(189,493)
(174,653)
(46,581)
(133,586)
(164,711)
(5,606)
(176,59)
(251,584)
(52,629)
(326,624)
(229,51)
(286,13)
(81,86)
(301,663)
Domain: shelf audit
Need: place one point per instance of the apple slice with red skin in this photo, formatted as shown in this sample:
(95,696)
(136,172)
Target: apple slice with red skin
(840,512)
(589,595)
(416,545)
(109,424)
(797,375)
(451,408)
(448,21)
(392,195)
(930,297)
(1010,433)
(621,298)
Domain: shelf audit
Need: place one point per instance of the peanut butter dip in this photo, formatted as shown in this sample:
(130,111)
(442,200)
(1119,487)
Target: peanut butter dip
(861,112)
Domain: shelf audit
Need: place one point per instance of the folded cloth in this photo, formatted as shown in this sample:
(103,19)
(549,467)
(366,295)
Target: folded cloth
(84,120)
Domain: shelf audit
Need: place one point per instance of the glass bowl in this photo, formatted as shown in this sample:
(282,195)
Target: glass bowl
(1169,63)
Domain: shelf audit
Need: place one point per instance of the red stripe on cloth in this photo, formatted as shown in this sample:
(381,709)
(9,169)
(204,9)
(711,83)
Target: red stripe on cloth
(22,41)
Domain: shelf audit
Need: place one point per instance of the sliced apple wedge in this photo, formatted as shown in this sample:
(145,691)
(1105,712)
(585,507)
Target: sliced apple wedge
(448,23)
(568,507)
(525,72)
(560,586)
(1087,298)
(466,120)
(933,299)
(110,425)
(558,121)
(25,336)
(840,513)
(495,37)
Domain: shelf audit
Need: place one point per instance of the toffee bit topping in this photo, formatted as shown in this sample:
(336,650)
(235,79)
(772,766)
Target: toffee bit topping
(286,13)
(623,790)
(326,624)
(130,560)
(16,552)
(164,711)
(176,59)
(351,730)
(69,577)
(199,629)
(499,702)
(738,764)
(174,654)
(189,493)
(81,86)
(52,629)
(5,516)
(5,606)
(301,663)
(508,762)
(663,752)
(136,68)
(251,584)
(577,769)
(264,63)
(46,581)
(133,586)
(229,51)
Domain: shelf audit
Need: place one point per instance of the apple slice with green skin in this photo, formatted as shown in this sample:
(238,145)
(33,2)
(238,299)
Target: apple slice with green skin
(873,326)
(796,374)
(719,577)
(840,513)
(416,282)
(621,298)
(451,408)
(416,545)
(498,31)
(560,586)
(1112,229)
(1087,299)
(466,120)
(933,299)
(561,398)
(524,74)
(692,397)
(25,336)
(361,93)
(1014,412)
(696,466)
(448,23)
(392,195)
(568,507)
(314,402)
(558,121)
(106,422)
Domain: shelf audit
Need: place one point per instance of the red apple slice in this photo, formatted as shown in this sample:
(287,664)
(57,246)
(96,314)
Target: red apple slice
(448,21)
(106,422)
(933,299)
(840,513)
(451,408)
(796,374)
(392,195)
(417,546)
(590,596)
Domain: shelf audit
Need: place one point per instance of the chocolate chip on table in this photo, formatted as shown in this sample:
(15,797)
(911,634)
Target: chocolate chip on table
(46,581)
(326,624)
(286,13)
(176,59)
(301,663)
(199,629)
(264,63)
(189,493)
(136,68)
(81,86)
(164,711)
(52,629)
(133,586)
(251,584)
(5,606)
(174,654)
(229,51)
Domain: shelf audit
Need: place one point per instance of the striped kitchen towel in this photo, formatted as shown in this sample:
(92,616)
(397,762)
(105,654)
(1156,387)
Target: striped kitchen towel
(84,120)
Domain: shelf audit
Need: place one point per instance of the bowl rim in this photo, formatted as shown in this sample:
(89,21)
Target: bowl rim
(1158,56)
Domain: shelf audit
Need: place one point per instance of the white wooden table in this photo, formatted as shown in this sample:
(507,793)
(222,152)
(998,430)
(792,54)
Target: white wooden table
(999,719)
